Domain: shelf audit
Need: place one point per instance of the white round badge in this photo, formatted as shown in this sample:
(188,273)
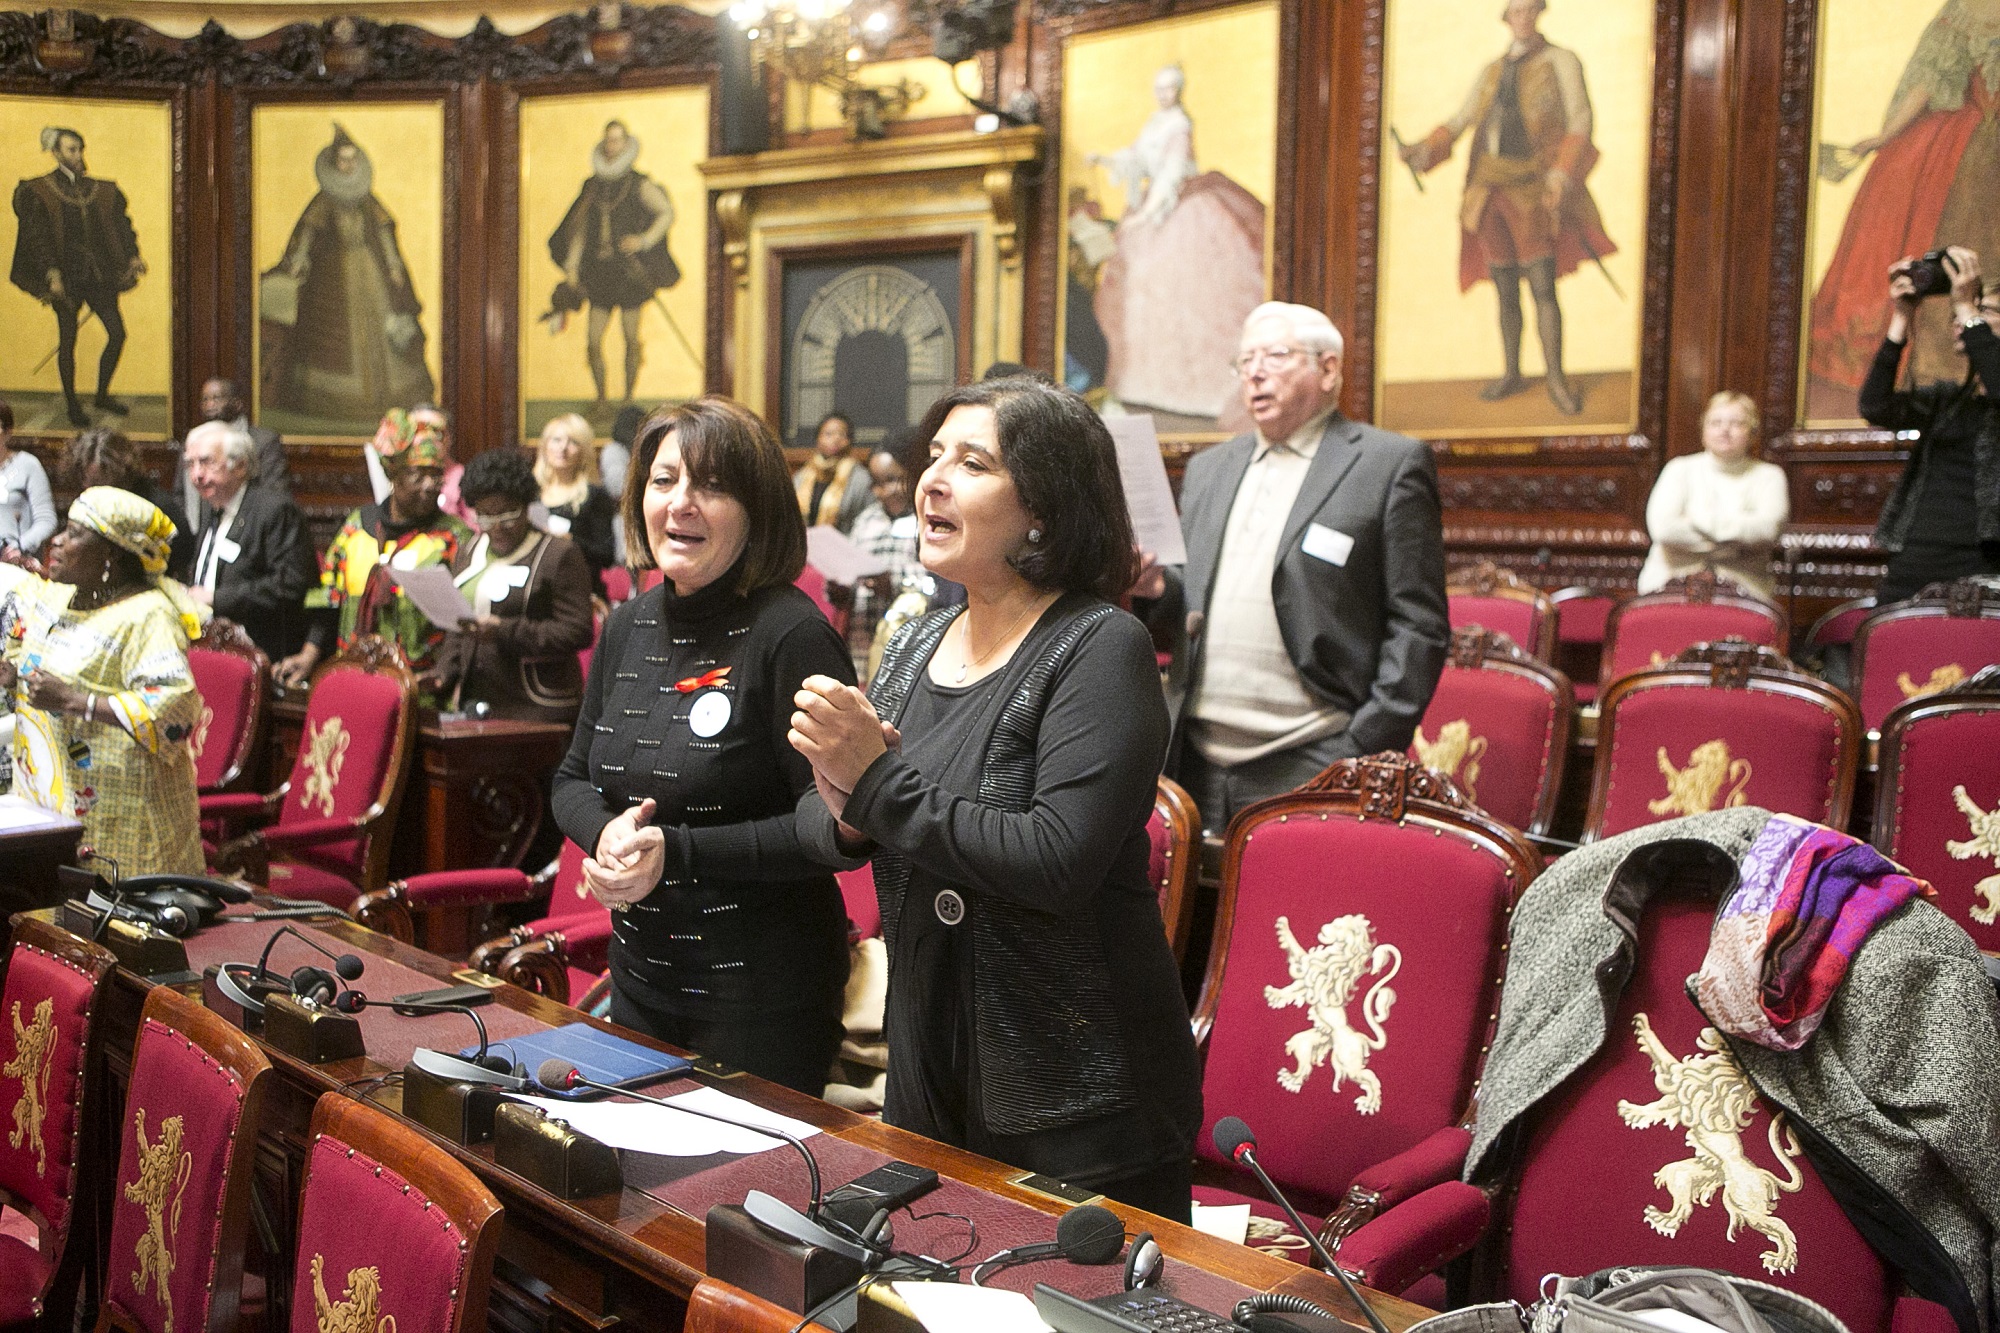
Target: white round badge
(709,715)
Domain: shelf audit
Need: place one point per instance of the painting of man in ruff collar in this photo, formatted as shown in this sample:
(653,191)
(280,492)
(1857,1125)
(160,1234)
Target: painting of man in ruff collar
(341,340)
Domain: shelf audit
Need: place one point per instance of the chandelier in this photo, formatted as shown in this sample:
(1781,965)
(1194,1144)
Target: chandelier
(822,43)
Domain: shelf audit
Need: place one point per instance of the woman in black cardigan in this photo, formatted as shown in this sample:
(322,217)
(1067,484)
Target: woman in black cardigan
(1034,1013)
(728,940)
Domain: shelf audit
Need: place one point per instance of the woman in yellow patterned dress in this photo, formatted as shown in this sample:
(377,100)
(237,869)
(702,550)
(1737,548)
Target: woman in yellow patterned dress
(96,655)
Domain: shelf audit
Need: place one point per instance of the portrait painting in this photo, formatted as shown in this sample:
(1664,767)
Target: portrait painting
(1907,160)
(87,310)
(613,252)
(1514,184)
(347,238)
(1169,172)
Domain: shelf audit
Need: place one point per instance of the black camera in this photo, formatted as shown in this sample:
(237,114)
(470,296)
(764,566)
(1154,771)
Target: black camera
(1930,275)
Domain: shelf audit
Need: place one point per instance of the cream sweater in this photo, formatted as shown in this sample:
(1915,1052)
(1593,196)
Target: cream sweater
(1705,514)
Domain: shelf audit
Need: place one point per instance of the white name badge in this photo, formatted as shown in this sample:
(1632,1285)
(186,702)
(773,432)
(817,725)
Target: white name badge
(1323,543)
(494,585)
(226,551)
(709,715)
(407,558)
(559,525)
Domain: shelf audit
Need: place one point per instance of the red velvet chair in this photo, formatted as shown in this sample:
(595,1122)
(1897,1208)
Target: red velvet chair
(1835,629)
(328,838)
(233,677)
(423,1256)
(1175,831)
(1498,726)
(182,1206)
(1654,627)
(49,1011)
(1908,650)
(560,954)
(617,584)
(1722,724)
(1583,615)
(864,909)
(1351,987)
(1938,787)
(1494,598)
(1596,1172)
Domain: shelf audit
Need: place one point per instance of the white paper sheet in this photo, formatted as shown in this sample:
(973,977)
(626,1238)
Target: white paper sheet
(643,1127)
(950,1307)
(1149,496)
(432,592)
(1226,1221)
(834,554)
(18,815)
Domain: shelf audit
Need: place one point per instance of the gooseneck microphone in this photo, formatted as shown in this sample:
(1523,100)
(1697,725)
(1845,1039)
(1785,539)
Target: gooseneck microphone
(353,1002)
(346,965)
(1234,1140)
(562,1076)
(1089,1234)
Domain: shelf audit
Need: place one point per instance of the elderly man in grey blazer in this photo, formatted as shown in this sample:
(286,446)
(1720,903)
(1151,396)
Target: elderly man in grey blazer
(1314,589)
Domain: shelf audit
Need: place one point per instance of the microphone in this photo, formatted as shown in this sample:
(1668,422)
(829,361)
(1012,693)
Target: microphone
(1090,1234)
(346,966)
(562,1076)
(495,1070)
(1234,1140)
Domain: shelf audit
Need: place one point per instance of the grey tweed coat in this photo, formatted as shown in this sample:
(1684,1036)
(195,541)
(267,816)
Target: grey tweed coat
(1897,1096)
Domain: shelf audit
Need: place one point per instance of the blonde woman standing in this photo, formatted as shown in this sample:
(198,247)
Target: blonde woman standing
(579,507)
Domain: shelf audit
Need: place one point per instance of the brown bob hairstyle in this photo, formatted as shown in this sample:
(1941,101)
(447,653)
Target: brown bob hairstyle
(726,447)
(1065,469)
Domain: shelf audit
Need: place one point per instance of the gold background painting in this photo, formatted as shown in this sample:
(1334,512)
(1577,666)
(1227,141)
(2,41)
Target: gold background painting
(1864,46)
(1230,59)
(404,142)
(129,143)
(1435,346)
(557,136)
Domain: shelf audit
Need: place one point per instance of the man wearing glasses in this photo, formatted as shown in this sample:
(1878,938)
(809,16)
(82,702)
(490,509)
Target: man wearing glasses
(1314,588)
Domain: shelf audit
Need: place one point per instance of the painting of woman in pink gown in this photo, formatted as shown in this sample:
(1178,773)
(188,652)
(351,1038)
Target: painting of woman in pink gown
(1933,175)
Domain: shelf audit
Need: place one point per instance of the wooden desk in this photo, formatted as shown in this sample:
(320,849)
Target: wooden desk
(628,1261)
(34,844)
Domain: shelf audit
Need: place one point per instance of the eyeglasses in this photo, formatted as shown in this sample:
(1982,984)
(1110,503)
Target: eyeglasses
(1247,364)
(486,522)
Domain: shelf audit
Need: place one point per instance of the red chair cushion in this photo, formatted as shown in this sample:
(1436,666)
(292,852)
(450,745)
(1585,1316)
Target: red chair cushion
(864,910)
(1595,1188)
(1518,620)
(1651,634)
(813,584)
(227,684)
(181,1115)
(617,584)
(1493,733)
(569,900)
(343,761)
(24,1276)
(302,879)
(1583,619)
(1940,757)
(1727,747)
(44,1020)
(408,1261)
(1918,655)
(1425,920)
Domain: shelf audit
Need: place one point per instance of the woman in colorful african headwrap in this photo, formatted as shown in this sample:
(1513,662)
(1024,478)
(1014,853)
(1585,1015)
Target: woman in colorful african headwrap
(95,652)
(356,595)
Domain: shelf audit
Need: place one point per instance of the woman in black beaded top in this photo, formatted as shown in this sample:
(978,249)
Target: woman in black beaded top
(680,784)
(1034,1009)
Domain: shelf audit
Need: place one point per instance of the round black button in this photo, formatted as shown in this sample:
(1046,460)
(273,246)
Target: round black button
(950,907)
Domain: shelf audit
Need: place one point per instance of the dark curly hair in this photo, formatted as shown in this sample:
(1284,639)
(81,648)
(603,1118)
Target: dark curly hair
(1065,469)
(502,472)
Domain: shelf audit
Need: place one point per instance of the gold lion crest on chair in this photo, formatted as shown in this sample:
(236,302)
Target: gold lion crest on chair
(1713,1101)
(326,751)
(1942,679)
(34,1044)
(1985,841)
(1697,789)
(164,1168)
(1324,979)
(359,1309)
(1455,753)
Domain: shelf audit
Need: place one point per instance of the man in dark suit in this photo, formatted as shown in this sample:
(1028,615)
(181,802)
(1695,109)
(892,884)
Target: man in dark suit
(1314,588)
(222,401)
(253,561)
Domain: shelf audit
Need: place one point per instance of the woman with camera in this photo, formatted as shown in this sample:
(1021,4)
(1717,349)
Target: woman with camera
(1942,521)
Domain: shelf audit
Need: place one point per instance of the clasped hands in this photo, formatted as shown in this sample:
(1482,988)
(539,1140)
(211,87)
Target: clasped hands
(631,857)
(839,731)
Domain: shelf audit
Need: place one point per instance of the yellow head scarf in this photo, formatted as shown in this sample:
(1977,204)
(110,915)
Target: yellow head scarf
(139,526)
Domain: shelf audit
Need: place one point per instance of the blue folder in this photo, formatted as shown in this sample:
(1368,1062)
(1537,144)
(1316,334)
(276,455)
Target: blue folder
(602,1057)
